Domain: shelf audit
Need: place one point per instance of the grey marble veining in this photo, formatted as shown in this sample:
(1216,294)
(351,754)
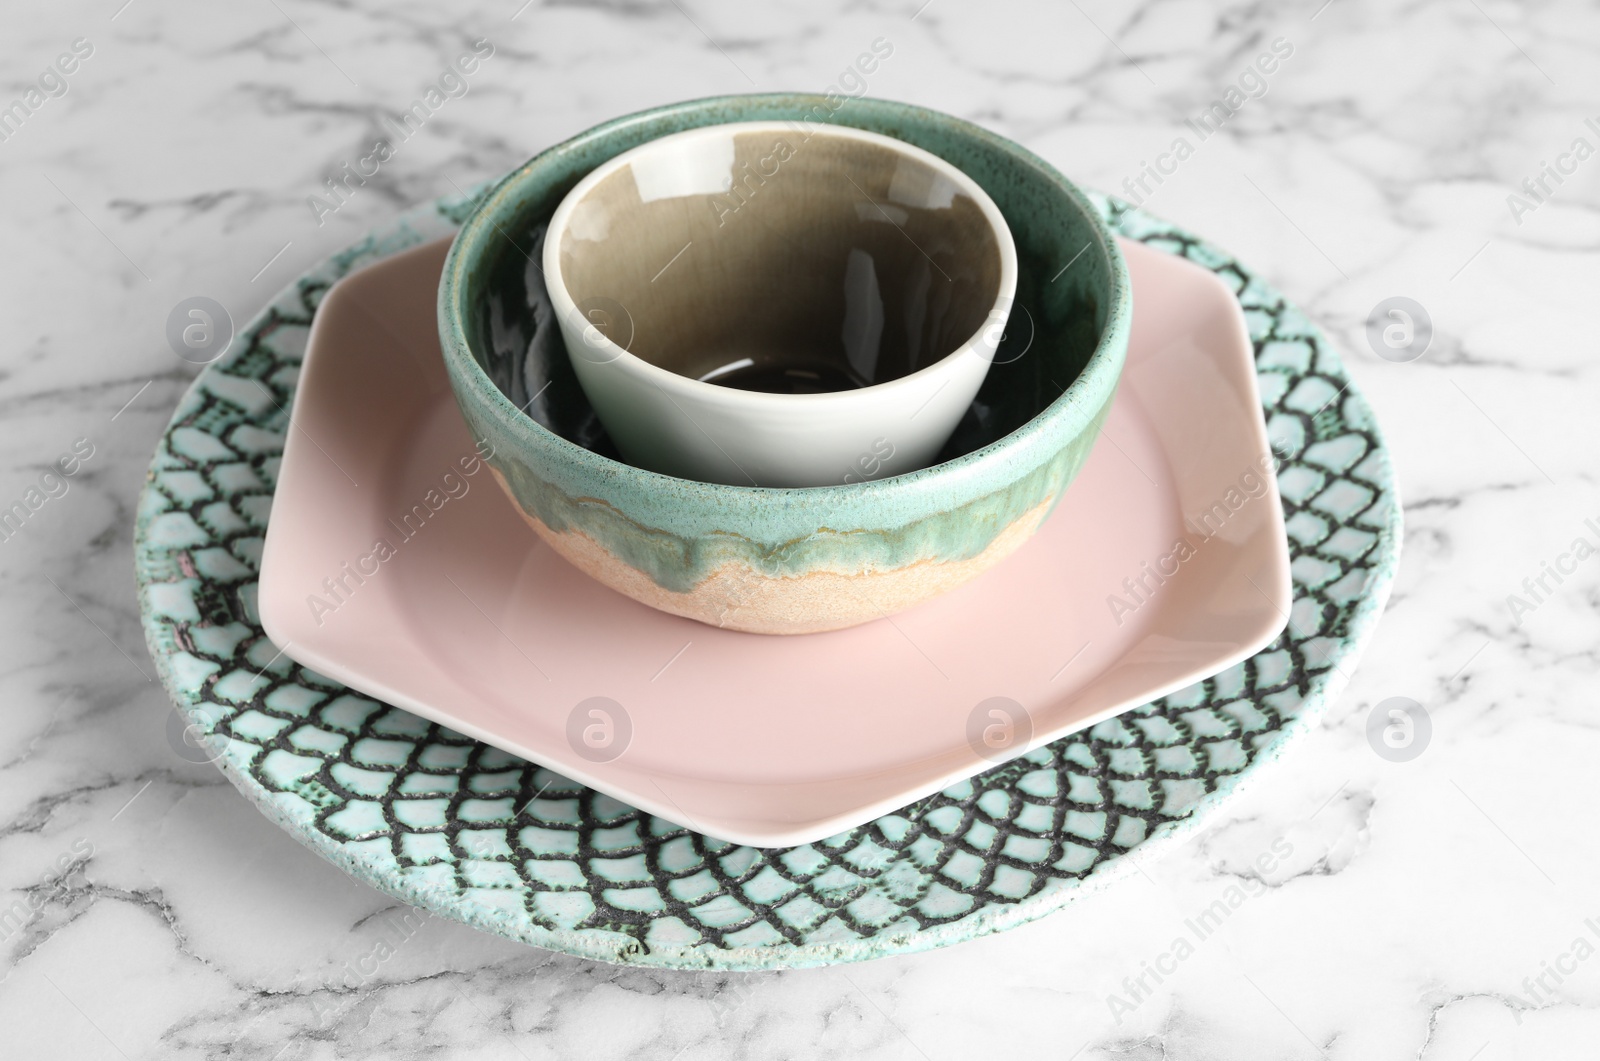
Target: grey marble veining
(1438,909)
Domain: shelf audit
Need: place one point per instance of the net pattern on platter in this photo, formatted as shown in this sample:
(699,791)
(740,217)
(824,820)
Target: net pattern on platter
(527,850)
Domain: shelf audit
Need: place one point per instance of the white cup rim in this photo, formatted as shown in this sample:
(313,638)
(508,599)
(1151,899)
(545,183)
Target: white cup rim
(731,397)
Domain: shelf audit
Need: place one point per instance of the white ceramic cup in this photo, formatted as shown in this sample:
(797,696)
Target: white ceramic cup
(785,262)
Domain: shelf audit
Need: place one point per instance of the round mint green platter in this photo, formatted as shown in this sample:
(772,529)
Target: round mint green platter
(1004,848)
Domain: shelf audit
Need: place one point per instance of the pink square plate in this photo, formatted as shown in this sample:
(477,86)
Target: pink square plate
(1165,563)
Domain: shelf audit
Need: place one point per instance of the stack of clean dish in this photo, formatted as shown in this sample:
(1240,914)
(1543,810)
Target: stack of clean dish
(779,378)
(367,638)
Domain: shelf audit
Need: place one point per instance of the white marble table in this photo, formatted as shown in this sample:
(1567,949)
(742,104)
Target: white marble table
(1433,909)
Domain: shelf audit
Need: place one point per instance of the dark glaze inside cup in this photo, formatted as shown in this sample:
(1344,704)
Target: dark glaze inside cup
(764,260)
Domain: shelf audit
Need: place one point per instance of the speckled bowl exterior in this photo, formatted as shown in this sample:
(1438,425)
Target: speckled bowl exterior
(789,561)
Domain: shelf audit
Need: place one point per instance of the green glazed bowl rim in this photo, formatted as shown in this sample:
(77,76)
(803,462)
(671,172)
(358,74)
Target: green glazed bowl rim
(1040,437)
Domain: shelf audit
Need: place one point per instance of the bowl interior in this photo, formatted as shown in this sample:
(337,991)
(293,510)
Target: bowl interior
(752,255)
(1064,283)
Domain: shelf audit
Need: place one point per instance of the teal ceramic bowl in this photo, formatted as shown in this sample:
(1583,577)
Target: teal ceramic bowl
(787,561)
